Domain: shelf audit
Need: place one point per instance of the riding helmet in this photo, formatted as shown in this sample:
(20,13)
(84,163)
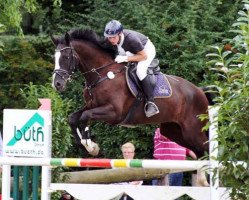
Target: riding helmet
(113,28)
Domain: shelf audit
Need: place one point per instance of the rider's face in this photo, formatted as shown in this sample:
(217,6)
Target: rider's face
(114,40)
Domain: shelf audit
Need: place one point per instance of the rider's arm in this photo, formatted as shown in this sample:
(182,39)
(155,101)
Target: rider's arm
(140,56)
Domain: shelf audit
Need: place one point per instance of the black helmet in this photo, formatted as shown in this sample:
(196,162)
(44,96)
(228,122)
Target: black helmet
(113,28)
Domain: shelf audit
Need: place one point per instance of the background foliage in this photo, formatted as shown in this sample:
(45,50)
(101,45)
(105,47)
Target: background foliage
(12,13)
(231,81)
(182,32)
(20,64)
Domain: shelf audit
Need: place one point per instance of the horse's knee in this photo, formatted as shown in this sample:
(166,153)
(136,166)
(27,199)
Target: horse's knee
(86,116)
(72,120)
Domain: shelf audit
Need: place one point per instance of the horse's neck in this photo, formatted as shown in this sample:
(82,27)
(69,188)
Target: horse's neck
(90,58)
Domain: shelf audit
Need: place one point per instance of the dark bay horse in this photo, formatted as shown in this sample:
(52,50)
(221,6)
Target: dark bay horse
(109,99)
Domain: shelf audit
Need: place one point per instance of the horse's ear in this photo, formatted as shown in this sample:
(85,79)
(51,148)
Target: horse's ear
(67,38)
(54,40)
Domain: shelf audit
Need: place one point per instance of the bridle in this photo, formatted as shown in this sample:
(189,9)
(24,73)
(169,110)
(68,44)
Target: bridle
(67,75)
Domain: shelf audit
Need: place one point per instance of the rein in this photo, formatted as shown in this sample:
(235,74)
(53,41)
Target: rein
(89,87)
(67,75)
(95,70)
(101,79)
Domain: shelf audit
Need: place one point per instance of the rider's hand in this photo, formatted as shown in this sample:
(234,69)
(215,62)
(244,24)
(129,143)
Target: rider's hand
(120,59)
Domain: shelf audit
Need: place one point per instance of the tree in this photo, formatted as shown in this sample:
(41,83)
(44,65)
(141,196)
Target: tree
(231,66)
(11,12)
(180,29)
(11,15)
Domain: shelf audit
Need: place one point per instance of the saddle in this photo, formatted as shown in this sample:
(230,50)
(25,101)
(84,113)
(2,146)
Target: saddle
(162,85)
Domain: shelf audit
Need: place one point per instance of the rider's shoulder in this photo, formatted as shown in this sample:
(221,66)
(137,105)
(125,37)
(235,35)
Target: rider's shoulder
(132,35)
(129,32)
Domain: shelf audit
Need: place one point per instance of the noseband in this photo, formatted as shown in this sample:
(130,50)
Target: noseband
(66,75)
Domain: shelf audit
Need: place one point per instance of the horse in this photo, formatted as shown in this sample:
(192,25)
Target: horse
(108,98)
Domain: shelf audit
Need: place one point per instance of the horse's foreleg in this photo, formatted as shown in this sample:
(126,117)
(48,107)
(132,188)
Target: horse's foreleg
(78,122)
(85,139)
(81,133)
(103,113)
(73,121)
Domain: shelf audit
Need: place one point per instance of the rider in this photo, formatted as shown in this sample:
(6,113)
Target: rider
(134,47)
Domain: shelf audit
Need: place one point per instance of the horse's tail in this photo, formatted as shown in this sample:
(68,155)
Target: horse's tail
(211,94)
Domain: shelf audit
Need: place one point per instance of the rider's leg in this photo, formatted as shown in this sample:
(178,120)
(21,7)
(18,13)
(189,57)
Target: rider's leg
(142,66)
(148,87)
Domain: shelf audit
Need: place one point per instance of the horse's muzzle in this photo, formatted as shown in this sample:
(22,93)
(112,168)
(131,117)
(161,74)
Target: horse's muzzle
(59,85)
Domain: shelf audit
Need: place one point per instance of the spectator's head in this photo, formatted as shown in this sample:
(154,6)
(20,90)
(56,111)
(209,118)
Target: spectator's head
(128,150)
(66,196)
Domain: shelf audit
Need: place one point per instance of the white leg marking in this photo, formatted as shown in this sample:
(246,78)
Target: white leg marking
(79,134)
(90,146)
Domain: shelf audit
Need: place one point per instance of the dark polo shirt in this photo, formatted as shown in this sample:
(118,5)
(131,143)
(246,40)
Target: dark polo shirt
(133,41)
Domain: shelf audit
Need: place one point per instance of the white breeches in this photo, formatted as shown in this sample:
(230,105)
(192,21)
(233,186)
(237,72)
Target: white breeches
(142,66)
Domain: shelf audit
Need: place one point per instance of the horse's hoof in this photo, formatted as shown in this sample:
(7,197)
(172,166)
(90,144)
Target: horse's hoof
(90,146)
(95,150)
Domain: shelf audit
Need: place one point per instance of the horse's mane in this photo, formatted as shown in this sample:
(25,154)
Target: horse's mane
(90,35)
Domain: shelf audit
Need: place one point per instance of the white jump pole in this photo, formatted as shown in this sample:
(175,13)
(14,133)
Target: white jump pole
(45,183)
(187,165)
(46,171)
(6,182)
(6,172)
(213,152)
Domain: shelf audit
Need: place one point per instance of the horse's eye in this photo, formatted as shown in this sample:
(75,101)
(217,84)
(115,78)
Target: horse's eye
(66,57)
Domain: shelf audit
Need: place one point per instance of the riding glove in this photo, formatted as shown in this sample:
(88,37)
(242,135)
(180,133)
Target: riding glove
(120,59)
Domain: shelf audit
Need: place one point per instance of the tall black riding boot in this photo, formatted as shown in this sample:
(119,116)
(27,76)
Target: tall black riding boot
(150,107)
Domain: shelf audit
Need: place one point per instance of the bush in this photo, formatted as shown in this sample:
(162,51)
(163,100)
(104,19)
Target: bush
(180,30)
(20,64)
(231,79)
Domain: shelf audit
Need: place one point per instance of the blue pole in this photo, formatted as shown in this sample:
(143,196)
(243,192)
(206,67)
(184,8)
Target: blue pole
(35,182)
(16,182)
(25,190)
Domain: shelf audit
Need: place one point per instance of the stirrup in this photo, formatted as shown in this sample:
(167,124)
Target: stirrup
(150,114)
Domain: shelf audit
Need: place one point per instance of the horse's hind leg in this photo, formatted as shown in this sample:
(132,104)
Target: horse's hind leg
(198,140)
(173,132)
(190,137)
